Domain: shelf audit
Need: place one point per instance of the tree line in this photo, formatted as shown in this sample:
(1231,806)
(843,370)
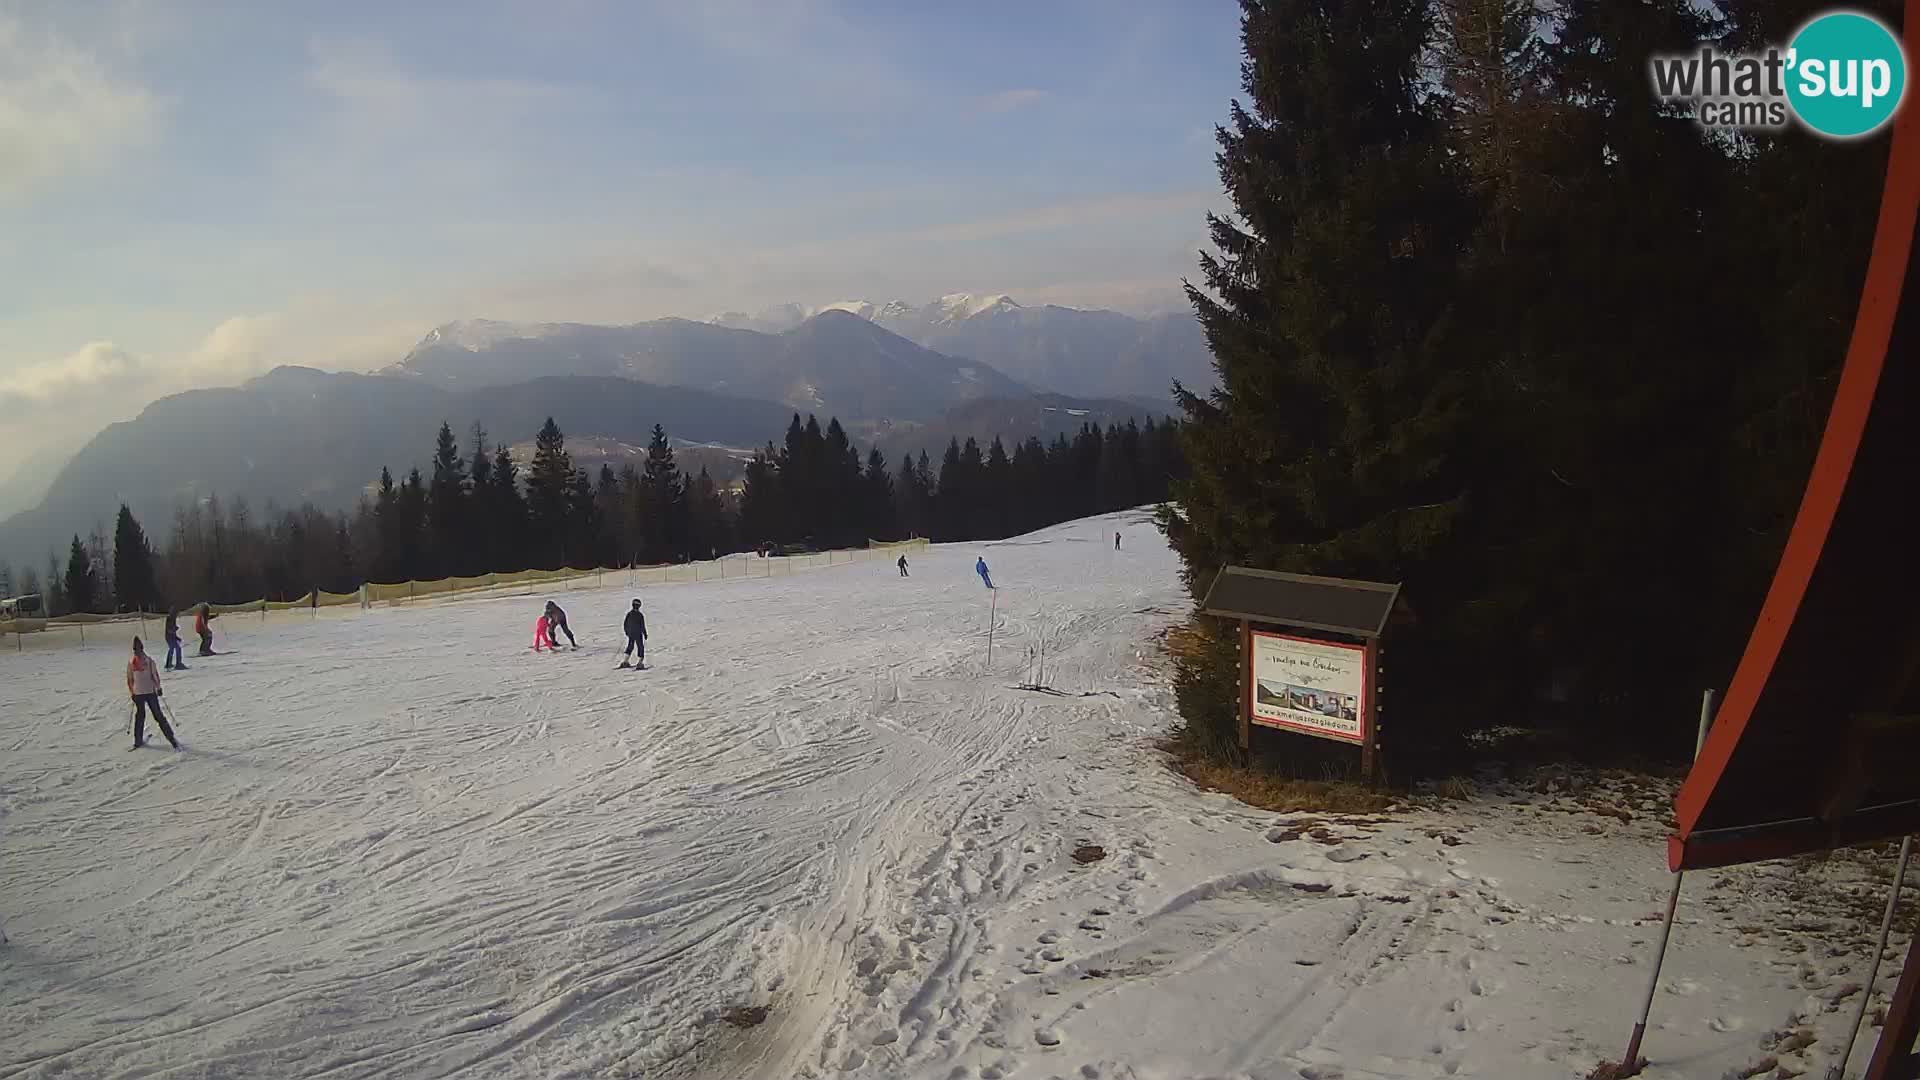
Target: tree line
(1495,322)
(475,511)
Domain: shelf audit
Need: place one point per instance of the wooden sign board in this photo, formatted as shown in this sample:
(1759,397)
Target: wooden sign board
(1310,654)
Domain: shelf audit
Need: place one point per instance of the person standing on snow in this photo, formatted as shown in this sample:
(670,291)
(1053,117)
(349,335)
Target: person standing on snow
(543,632)
(205,631)
(636,628)
(557,619)
(176,659)
(1116,541)
(143,686)
(903,566)
(980,567)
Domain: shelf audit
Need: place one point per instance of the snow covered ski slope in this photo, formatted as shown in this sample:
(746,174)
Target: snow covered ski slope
(399,844)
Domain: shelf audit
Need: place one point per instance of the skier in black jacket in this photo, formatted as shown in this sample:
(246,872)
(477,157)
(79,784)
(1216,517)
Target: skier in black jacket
(636,627)
(559,623)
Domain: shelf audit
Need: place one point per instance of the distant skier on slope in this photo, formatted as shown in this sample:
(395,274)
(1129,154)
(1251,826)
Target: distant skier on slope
(1116,541)
(558,621)
(143,686)
(903,566)
(980,567)
(201,627)
(636,628)
(176,658)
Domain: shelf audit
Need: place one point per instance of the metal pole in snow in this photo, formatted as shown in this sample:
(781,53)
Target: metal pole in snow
(993,616)
(1873,972)
(1630,1065)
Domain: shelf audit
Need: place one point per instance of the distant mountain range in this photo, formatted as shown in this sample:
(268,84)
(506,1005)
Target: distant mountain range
(901,376)
(832,363)
(1087,353)
(296,435)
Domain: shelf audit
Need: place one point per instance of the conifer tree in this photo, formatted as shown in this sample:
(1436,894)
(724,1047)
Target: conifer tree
(135,584)
(1331,446)
(663,500)
(447,509)
(80,578)
(880,520)
(548,483)
(508,520)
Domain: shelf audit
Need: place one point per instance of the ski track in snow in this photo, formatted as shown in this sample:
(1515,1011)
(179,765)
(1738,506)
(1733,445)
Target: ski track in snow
(402,845)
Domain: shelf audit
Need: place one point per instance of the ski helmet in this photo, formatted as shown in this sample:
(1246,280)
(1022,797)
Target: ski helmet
(636,601)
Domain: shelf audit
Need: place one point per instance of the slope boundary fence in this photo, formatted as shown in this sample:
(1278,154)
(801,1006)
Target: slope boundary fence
(72,630)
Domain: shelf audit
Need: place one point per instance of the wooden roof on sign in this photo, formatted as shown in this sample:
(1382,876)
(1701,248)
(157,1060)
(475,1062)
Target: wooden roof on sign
(1815,744)
(1338,605)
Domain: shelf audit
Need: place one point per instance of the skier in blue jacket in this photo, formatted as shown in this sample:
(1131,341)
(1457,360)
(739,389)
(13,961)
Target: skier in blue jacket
(980,567)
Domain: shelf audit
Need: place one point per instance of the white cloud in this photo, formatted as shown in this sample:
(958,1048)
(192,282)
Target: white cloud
(1009,100)
(81,372)
(62,110)
(236,349)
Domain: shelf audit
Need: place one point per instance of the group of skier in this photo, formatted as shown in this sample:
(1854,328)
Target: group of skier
(554,618)
(143,678)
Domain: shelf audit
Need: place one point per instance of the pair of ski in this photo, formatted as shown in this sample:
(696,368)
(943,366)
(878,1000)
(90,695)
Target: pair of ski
(623,665)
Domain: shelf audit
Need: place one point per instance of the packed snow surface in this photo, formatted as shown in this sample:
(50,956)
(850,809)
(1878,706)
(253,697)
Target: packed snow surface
(820,837)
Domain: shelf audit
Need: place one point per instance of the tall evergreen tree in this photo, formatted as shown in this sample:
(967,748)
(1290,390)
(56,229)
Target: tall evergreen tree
(584,545)
(448,520)
(387,521)
(548,483)
(997,505)
(706,517)
(663,501)
(880,519)
(507,520)
(410,510)
(80,578)
(1331,445)
(135,583)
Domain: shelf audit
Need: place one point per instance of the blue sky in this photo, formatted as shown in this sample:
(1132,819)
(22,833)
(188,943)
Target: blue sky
(193,192)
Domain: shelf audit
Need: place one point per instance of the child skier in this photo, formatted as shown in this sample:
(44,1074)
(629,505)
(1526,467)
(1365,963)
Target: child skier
(980,567)
(543,632)
(205,631)
(176,659)
(143,686)
(903,566)
(636,627)
(557,619)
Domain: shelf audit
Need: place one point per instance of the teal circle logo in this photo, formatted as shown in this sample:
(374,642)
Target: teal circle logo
(1847,74)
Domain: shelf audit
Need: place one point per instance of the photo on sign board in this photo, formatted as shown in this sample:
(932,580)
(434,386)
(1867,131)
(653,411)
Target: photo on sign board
(1313,687)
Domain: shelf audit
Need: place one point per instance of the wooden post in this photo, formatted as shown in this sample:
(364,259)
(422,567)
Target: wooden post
(1370,712)
(1246,685)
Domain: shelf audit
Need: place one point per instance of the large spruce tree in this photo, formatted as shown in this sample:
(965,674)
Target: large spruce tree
(1332,444)
(548,483)
(135,585)
(447,509)
(80,578)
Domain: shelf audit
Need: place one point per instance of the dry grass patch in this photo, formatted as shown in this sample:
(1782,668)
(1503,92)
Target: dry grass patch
(1282,795)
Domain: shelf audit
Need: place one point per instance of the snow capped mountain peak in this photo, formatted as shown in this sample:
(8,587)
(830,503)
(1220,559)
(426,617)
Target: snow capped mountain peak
(852,307)
(957,306)
(476,333)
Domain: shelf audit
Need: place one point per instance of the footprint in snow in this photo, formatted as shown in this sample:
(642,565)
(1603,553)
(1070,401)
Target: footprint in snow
(1047,1037)
(1049,938)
